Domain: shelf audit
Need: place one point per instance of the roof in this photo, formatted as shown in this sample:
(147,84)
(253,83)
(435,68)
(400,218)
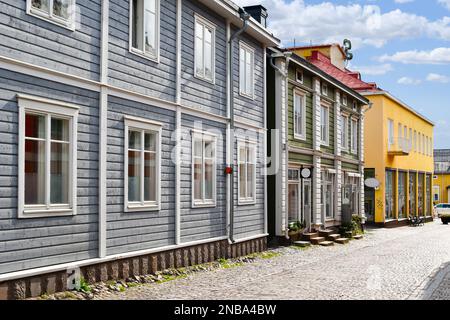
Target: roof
(319,47)
(318,72)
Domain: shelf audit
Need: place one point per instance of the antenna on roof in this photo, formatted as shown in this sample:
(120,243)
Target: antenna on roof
(347,47)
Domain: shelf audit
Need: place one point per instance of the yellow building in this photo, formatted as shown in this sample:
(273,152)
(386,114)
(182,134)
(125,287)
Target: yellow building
(398,144)
(399,154)
(441,178)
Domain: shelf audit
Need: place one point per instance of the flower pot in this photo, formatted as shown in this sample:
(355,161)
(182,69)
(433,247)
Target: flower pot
(445,220)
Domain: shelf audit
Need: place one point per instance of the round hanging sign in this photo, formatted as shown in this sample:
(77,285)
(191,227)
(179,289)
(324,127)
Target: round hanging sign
(305,173)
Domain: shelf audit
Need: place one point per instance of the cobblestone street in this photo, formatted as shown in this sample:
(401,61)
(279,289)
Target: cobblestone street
(402,263)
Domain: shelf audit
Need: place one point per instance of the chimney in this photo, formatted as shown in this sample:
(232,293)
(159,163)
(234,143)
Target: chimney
(259,13)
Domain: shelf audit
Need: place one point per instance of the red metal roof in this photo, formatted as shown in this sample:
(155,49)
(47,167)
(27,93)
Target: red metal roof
(350,78)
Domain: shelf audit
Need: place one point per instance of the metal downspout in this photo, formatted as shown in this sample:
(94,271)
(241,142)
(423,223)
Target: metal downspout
(245,18)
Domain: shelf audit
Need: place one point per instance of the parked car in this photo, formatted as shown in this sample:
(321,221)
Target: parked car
(441,208)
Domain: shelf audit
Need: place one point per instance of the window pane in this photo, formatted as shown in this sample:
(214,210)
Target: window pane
(250,180)
(250,155)
(61,8)
(60,129)
(199,50)
(242,180)
(208,59)
(150,142)
(209,150)
(59,173)
(137,24)
(293,208)
(40,4)
(198,179)
(150,26)
(34,172)
(242,155)
(150,177)
(209,179)
(198,149)
(248,74)
(134,140)
(242,69)
(134,173)
(34,126)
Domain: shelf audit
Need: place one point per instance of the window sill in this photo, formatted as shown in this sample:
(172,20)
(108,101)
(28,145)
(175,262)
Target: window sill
(144,55)
(210,81)
(140,208)
(66,25)
(248,96)
(244,202)
(299,137)
(42,213)
(197,205)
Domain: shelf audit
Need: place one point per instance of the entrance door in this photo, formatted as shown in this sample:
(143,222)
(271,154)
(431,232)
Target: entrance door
(307,203)
(294,203)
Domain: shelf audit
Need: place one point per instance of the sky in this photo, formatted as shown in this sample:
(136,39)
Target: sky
(402,45)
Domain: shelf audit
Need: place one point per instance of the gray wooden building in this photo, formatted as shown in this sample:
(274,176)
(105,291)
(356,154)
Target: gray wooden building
(118,121)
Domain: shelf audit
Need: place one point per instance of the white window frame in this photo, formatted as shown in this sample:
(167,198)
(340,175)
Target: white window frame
(344,100)
(390,135)
(297,72)
(211,26)
(49,17)
(324,89)
(302,134)
(325,142)
(344,133)
(142,53)
(354,138)
(47,107)
(204,137)
(242,92)
(142,125)
(253,145)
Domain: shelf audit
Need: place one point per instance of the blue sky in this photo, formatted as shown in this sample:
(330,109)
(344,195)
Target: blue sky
(403,45)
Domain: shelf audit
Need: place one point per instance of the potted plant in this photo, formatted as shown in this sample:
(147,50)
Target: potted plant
(445,218)
(295,229)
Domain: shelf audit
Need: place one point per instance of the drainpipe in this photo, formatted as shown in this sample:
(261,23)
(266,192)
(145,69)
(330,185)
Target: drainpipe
(245,19)
(284,74)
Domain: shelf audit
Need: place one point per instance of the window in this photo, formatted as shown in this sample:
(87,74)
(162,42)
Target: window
(412,194)
(389,195)
(324,89)
(401,195)
(47,157)
(344,132)
(299,76)
(354,137)
(411,138)
(144,28)
(61,12)
(420,197)
(203,170)
(390,133)
(294,196)
(246,172)
(204,49)
(355,105)
(246,72)
(324,125)
(415,141)
(437,193)
(142,164)
(399,131)
(299,115)
(344,100)
(328,193)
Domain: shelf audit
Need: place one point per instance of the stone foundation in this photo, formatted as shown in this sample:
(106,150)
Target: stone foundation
(124,268)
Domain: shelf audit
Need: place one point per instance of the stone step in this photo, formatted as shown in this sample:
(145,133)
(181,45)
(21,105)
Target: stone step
(308,236)
(358,237)
(302,244)
(317,240)
(327,243)
(326,233)
(342,240)
(348,234)
(333,237)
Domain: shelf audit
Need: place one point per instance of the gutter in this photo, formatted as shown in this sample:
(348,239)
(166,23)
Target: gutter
(245,19)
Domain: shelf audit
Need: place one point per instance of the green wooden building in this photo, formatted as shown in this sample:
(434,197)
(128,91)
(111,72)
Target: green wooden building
(315,126)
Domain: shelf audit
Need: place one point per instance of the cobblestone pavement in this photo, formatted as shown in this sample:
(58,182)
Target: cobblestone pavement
(402,263)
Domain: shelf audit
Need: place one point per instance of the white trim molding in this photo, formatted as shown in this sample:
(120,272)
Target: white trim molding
(49,15)
(47,108)
(302,135)
(143,126)
(247,49)
(250,146)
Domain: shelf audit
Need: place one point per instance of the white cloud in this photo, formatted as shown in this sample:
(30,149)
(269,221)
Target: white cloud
(435,56)
(434,77)
(445,3)
(403,1)
(363,24)
(409,81)
(375,70)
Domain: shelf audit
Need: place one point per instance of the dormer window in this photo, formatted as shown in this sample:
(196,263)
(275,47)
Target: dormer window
(324,89)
